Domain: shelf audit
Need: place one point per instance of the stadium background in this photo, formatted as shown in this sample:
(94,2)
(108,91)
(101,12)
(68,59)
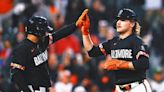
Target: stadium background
(69,64)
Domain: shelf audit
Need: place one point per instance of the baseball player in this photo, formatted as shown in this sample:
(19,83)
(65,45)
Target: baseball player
(29,59)
(127,55)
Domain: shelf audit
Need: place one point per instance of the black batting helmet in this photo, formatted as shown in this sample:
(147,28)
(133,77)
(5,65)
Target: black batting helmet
(125,14)
(38,25)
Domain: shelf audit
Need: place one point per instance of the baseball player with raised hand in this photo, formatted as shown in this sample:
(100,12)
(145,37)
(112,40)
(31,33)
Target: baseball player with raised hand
(29,59)
(127,55)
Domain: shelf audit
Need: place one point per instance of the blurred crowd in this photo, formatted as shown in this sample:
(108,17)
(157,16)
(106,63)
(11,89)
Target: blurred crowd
(71,69)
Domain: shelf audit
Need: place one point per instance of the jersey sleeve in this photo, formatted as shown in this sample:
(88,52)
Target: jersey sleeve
(63,32)
(138,47)
(18,66)
(59,34)
(141,55)
(19,57)
(101,49)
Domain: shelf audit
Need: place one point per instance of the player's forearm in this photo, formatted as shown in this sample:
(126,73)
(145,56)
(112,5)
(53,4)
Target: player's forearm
(88,44)
(141,64)
(64,32)
(115,64)
(125,65)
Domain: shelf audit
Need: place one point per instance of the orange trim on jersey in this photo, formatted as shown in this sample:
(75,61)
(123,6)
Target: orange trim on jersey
(142,53)
(102,49)
(18,66)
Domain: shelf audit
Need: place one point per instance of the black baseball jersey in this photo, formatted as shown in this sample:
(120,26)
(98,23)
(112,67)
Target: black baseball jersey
(29,60)
(34,58)
(125,49)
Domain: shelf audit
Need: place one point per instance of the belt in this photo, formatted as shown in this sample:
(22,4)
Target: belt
(129,86)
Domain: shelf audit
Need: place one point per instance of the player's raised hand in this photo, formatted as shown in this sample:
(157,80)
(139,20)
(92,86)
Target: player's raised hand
(81,19)
(86,25)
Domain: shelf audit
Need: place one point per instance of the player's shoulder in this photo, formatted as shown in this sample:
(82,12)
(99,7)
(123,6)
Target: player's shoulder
(139,42)
(137,39)
(22,46)
(114,39)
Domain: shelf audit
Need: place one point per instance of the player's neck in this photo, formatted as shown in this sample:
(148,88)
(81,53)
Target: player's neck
(125,34)
(32,38)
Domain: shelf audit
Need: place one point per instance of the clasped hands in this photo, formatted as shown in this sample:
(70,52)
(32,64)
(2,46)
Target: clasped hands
(83,22)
